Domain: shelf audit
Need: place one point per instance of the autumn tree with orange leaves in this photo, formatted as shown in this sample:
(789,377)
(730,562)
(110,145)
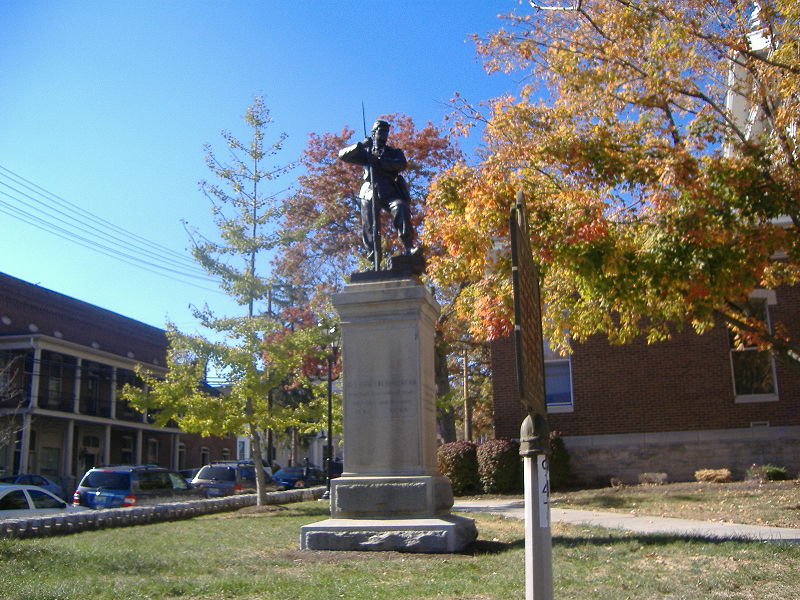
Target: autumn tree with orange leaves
(655,142)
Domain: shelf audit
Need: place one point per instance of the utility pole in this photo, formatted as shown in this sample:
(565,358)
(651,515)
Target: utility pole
(467,403)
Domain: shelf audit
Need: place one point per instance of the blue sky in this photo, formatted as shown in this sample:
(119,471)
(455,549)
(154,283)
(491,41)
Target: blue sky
(106,105)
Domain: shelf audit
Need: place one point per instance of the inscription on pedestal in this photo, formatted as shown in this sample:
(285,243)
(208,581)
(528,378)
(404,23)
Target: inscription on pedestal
(383,398)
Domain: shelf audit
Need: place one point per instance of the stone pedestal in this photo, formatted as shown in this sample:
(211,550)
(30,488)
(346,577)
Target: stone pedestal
(391,495)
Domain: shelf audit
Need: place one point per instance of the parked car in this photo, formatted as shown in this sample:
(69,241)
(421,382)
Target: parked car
(33,479)
(131,485)
(337,467)
(188,474)
(299,477)
(20,501)
(225,478)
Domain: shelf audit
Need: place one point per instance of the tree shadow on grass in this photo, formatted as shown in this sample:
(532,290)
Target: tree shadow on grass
(488,547)
(485,547)
(688,498)
(307,509)
(646,540)
(602,501)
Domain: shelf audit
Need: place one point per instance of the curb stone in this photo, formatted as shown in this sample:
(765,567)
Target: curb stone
(88,520)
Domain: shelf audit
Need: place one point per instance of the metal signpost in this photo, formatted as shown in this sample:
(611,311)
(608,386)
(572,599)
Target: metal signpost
(534,433)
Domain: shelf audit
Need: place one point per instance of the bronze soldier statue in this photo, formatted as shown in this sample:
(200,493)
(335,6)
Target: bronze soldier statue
(383,189)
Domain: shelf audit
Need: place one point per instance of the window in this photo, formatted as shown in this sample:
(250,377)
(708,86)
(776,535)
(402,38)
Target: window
(15,500)
(557,380)
(11,377)
(152,451)
(181,455)
(126,451)
(205,456)
(753,370)
(178,482)
(111,480)
(42,500)
(49,461)
(226,454)
(154,480)
(55,377)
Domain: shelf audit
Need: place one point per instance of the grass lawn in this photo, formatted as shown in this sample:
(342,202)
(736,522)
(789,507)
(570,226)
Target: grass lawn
(253,554)
(775,503)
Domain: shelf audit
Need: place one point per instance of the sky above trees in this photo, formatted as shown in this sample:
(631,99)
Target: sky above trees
(106,107)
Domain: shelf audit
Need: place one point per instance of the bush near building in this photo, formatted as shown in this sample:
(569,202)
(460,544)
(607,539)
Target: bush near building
(713,475)
(458,462)
(766,473)
(561,476)
(499,466)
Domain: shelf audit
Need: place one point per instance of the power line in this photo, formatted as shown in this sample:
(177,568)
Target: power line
(54,204)
(94,233)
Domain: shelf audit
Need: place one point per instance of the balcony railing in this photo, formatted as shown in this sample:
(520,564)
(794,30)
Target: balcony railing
(63,402)
(124,412)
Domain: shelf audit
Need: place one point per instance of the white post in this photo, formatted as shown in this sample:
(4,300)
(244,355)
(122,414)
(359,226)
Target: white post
(538,539)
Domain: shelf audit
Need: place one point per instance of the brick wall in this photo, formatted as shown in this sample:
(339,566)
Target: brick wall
(681,385)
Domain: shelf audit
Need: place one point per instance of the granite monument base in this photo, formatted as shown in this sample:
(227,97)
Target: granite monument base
(391,497)
(446,534)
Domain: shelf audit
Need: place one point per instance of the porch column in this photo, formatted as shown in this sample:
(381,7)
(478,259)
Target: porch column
(176,439)
(35,377)
(69,437)
(139,440)
(113,411)
(76,396)
(25,443)
(107,445)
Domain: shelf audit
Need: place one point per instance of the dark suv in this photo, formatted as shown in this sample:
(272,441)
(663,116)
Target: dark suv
(131,485)
(225,478)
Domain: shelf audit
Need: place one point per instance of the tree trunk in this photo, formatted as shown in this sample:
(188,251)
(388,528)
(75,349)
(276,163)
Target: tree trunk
(258,463)
(447,419)
(294,449)
(467,403)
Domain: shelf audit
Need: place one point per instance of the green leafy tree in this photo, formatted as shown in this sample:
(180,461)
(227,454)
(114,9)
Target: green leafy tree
(255,352)
(656,144)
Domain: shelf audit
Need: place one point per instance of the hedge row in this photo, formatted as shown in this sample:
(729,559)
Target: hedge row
(495,467)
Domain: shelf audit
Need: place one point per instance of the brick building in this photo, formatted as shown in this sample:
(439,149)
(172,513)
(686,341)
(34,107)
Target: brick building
(63,363)
(677,406)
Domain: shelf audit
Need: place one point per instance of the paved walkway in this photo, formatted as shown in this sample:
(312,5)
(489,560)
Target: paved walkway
(637,524)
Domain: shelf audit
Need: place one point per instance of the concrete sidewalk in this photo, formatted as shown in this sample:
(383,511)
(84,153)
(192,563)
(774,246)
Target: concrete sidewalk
(637,524)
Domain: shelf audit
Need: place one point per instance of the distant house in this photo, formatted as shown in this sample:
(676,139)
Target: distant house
(63,363)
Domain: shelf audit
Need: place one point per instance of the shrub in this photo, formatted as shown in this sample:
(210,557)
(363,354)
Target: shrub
(713,475)
(500,466)
(652,478)
(560,471)
(458,462)
(766,473)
